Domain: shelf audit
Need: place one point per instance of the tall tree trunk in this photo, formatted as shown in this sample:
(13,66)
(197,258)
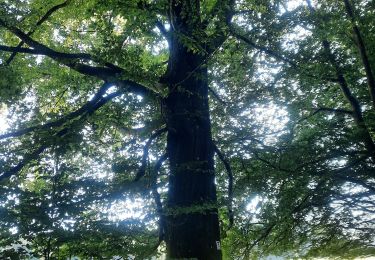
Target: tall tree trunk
(192,224)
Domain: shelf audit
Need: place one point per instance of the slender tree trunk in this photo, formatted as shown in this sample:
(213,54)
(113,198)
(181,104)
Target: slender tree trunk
(192,224)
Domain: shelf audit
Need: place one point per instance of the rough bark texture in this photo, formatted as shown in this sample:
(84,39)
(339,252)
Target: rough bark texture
(192,225)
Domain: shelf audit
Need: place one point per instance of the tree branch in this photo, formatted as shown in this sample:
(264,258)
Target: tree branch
(357,111)
(110,73)
(156,195)
(213,92)
(87,107)
(149,8)
(61,55)
(266,50)
(263,236)
(224,10)
(35,154)
(228,168)
(41,21)
(27,159)
(107,73)
(327,109)
(142,170)
(136,88)
(334,110)
(363,52)
(97,101)
(274,54)
(163,30)
(271,164)
(353,101)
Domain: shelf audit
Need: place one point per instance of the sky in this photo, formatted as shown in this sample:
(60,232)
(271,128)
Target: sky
(3,122)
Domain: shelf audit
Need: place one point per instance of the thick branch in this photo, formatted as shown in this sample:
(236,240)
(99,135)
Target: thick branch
(87,109)
(62,55)
(142,170)
(228,168)
(107,73)
(334,110)
(363,52)
(136,88)
(110,73)
(27,159)
(41,21)
(89,106)
(353,101)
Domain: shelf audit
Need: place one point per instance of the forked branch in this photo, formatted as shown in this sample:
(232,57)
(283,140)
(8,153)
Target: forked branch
(40,22)
(95,103)
(357,113)
(107,73)
(142,170)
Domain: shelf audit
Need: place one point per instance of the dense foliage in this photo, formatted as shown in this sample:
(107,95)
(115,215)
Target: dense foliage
(292,103)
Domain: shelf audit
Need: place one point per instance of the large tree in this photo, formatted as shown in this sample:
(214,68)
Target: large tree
(193,228)
(100,94)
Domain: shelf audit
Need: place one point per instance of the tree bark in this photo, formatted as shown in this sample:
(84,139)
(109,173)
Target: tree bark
(191,223)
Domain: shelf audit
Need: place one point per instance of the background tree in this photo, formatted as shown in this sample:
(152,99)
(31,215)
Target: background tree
(116,109)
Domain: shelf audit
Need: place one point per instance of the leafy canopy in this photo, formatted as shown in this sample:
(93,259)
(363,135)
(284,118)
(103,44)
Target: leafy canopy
(292,110)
